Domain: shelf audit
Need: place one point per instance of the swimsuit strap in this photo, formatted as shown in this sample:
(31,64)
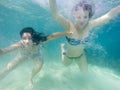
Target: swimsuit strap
(74,57)
(77,57)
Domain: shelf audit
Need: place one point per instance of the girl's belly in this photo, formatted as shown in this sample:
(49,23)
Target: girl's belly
(74,51)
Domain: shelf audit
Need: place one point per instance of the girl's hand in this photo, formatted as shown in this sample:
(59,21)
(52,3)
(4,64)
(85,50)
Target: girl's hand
(69,33)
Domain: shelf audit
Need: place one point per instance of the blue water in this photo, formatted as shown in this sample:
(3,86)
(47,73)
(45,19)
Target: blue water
(103,48)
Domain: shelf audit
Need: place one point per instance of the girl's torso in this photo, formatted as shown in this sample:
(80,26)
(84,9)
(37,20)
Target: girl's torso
(75,41)
(31,51)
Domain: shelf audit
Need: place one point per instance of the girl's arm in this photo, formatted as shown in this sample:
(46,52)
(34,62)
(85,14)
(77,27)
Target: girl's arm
(107,16)
(10,48)
(57,34)
(59,18)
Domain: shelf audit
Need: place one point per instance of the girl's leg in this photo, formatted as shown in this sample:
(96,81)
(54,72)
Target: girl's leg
(65,60)
(10,66)
(82,63)
(36,69)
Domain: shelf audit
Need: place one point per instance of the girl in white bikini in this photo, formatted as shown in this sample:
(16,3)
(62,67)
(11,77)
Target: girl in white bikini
(29,47)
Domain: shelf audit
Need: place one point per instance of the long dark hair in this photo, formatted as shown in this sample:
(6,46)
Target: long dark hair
(36,36)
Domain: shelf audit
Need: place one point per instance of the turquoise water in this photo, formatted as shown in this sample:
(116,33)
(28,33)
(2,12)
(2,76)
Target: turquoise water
(103,48)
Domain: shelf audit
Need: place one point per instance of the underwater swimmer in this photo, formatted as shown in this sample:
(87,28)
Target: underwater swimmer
(80,27)
(29,47)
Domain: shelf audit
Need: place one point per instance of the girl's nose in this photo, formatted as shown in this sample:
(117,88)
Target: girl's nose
(82,21)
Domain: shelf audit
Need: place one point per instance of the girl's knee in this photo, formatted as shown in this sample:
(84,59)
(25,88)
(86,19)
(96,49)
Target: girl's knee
(10,66)
(39,65)
(66,62)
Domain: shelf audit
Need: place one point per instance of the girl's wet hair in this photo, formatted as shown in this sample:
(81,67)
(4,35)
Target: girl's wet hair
(36,36)
(27,30)
(86,6)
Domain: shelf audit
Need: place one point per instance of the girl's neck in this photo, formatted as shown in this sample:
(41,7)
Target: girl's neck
(79,28)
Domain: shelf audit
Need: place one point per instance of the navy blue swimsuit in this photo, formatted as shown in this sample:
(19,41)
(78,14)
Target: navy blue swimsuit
(75,42)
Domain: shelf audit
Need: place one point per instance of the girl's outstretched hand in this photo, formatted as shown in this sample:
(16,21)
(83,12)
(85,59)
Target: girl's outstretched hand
(69,32)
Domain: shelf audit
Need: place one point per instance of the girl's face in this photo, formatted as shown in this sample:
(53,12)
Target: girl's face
(81,17)
(27,38)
